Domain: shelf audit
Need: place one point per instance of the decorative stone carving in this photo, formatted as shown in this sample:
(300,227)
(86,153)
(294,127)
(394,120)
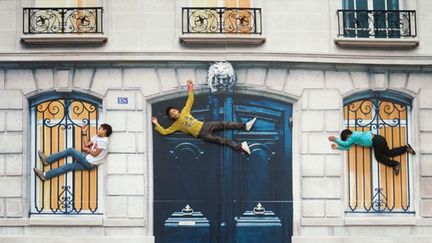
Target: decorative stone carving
(221,77)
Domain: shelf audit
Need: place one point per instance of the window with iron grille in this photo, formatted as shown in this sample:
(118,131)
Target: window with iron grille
(221,17)
(57,119)
(376,19)
(374,187)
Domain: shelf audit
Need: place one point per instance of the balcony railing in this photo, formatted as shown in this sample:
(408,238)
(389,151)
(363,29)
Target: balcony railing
(377,23)
(62,20)
(221,20)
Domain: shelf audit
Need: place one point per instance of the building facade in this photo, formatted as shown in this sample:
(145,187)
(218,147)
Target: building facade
(305,68)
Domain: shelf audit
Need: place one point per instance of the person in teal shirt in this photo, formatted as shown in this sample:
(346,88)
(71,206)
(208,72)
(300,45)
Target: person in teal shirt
(379,144)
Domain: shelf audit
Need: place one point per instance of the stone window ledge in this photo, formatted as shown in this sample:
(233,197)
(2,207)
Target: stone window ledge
(70,220)
(377,43)
(64,39)
(382,220)
(223,39)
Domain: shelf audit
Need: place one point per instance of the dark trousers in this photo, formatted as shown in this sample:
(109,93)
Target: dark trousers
(383,152)
(208,129)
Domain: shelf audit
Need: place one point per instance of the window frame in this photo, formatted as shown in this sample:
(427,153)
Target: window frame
(394,97)
(33,103)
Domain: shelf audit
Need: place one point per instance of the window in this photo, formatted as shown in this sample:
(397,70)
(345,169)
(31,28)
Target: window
(373,187)
(222,16)
(375,18)
(56,120)
(63,22)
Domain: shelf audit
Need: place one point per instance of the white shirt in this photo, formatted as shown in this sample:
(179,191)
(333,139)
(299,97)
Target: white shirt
(100,143)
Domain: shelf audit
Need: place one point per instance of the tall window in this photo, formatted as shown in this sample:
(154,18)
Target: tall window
(57,119)
(378,18)
(63,16)
(374,187)
(222,16)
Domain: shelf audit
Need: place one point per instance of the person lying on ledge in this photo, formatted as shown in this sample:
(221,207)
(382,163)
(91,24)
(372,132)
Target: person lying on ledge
(183,121)
(379,144)
(94,151)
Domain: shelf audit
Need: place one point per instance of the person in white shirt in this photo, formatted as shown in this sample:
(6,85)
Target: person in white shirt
(94,151)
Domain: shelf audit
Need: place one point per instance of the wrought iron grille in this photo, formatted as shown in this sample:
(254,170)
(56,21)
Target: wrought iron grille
(57,126)
(374,187)
(221,20)
(62,20)
(377,23)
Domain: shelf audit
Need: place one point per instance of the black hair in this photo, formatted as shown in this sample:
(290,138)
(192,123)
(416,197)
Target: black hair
(345,133)
(167,110)
(107,128)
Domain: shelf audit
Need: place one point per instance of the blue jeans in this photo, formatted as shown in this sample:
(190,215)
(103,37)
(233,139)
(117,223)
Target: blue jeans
(80,162)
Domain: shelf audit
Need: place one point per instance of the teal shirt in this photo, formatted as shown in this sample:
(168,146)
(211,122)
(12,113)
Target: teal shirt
(357,138)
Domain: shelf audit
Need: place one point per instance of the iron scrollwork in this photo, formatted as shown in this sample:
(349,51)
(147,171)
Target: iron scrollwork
(62,20)
(374,191)
(57,125)
(222,20)
(377,23)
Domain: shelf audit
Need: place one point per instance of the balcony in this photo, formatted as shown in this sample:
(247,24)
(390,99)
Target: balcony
(377,28)
(221,26)
(63,26)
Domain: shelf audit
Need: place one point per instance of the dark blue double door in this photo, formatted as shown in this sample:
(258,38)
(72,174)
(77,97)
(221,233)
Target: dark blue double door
(217,181)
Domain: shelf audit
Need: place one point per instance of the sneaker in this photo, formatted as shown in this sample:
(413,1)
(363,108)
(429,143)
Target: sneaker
(410,149)
(397,169)
(43,157)
(245,148)
(39,174)
(249,124)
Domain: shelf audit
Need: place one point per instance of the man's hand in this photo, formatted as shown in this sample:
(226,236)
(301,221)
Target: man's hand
(332,138)
(154,120)
(85,149)
(334,146)
(189,84)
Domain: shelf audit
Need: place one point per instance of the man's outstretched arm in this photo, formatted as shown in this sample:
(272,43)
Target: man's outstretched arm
(191,97)
(162,130)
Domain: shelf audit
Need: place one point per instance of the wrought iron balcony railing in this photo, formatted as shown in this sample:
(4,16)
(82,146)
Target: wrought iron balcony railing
(221,20)
(377,23)
(62,20)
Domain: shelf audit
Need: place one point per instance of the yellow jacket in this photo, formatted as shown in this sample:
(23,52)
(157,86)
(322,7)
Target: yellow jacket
(186,122)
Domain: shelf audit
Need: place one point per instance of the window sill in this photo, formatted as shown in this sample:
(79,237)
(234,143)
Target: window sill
(381,220)
(377,43)
(64,39)
(222,39)
(70,220)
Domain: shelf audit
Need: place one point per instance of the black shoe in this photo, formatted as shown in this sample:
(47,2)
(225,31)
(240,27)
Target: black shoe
(410,149)
(397,169)
(43,157)
(39,174)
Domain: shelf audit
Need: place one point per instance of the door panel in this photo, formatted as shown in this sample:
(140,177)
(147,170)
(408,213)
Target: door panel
(220,182)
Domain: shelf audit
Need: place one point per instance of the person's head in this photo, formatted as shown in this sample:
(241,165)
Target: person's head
(104,130)
(173,113)
(345,134)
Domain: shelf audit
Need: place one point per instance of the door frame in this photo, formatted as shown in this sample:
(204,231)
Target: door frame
(295,153)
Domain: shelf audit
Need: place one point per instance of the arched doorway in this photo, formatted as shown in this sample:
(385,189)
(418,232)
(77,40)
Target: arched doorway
(219,182)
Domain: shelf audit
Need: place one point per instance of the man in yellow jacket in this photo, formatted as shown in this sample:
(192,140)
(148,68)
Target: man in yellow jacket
(186,123)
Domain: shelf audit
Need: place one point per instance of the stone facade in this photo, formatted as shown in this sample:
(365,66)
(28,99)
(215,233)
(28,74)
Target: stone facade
(149,65)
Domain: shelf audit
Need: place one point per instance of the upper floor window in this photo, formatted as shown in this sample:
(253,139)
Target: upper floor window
(376,18)
(374,187)
(222,16)
(56,121)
